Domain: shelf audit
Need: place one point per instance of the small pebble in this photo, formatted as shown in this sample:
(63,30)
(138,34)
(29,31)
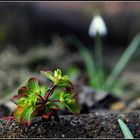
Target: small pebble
(36,124)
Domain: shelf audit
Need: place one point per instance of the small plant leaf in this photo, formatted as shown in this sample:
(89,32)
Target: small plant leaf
(22,105)
(33,85)
(56,96)
(69,102)
(22,90)
(18,112)
(16,98)
(58,73)
(27,115)
(52,105)
(126,132)
(48,74)
(43,90)
(21,101)
(63,83)
(73,107)
(56,77)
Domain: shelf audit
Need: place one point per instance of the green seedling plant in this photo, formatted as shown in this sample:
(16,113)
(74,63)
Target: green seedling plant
(34,99)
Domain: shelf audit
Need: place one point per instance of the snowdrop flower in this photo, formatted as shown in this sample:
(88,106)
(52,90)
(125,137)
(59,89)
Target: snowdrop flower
(97,25)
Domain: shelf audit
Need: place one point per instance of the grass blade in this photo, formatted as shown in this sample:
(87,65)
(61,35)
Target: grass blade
(124,59)
(98,52)
(126,132)
(99,59)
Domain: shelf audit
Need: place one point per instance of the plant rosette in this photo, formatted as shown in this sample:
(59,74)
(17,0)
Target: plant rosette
(33,100)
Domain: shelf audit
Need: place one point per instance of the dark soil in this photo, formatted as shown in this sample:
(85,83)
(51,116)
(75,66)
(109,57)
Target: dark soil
(96,125)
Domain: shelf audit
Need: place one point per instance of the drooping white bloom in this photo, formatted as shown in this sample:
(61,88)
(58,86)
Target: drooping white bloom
(97,25)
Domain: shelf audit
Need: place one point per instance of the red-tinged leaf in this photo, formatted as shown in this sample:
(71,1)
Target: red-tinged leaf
(17,97)
(33,85)
(22,90)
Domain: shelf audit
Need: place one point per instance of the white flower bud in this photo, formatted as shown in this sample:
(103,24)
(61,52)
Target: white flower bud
(97,25)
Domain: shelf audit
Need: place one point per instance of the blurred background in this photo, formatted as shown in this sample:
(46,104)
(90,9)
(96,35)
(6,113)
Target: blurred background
(36,35)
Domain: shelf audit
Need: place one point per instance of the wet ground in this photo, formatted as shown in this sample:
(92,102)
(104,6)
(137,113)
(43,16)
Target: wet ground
(99,124)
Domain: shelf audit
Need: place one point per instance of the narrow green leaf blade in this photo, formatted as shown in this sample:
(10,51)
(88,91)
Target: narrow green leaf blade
(93,74)
(122,62)
(126,132)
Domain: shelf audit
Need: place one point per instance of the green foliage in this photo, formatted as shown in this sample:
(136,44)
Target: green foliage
(126,132)
(57,77)
(27,115)
(33,86)
(89,63)
(33,98)
(122,62)
(68,101)
(94,65)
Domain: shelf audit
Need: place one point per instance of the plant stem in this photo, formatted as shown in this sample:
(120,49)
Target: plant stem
(98,51)
(41,98)
(99,60)
(49,92)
